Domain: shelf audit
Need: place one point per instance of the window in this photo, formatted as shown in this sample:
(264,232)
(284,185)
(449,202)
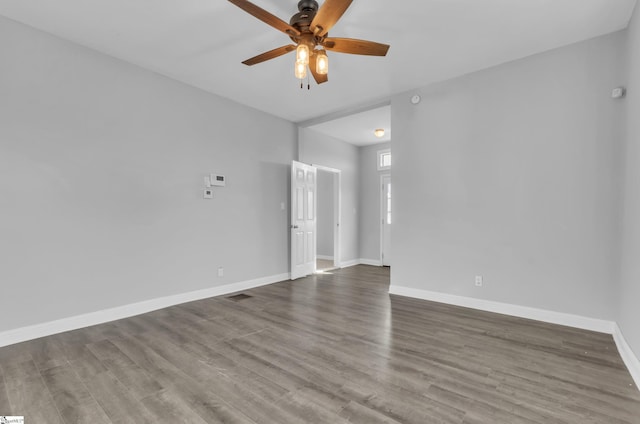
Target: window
(384,159)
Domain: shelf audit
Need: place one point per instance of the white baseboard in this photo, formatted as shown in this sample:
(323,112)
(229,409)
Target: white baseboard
(576,321)
(93,318)
(629,358)
(374,262)
(360,261)
(347,264)
(324,257)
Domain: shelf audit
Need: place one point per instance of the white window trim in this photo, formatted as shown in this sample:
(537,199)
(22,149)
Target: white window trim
(380,153)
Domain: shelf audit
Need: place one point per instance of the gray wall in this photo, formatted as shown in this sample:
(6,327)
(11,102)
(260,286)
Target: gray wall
(370,201)
(101,178)
(629,313)
(325,202)
(513,173)
(319,149)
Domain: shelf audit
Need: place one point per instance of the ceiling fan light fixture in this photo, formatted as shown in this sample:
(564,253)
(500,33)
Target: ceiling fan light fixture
(322,62)
(379,132)
(302,53)
(309,29)
(300,70)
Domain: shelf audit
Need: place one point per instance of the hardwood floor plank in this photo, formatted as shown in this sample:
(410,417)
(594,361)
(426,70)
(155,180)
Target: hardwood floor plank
(150,360)
(71,398)
(5,407)
(48,352)
(316,406)
(128,372)
(243,394)
(329,348)
(167,407)
(203,399)
(86,364)
(356,413)
(116,400)
(16,353)
(197,396)
(27,394)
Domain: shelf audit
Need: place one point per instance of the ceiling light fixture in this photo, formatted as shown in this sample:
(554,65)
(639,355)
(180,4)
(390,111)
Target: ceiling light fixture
(309,31)
(300,69)
(379,132)
(302,54)
(322,62)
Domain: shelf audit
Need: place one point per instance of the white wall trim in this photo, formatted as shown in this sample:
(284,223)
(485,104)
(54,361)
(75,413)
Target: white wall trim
(93,318)
(383,214)
(629,358)
(324,257)
(360,261)
(576,321)
(347,264)
(374,262)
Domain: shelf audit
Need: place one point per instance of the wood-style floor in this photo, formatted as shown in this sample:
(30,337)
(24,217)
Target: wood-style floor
(323,264)
(330,348)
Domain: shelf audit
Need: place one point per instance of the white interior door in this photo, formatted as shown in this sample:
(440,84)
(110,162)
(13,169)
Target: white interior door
(303,219)
(385,231)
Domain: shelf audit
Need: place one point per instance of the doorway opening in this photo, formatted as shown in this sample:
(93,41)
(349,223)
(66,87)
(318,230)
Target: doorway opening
(328,219)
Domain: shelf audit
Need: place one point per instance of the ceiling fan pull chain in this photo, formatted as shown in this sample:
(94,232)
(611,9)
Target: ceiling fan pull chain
(308,83)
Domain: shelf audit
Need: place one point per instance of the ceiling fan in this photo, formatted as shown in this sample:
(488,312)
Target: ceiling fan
(309,30)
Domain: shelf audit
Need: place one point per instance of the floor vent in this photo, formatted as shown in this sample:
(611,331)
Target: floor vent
(239,297)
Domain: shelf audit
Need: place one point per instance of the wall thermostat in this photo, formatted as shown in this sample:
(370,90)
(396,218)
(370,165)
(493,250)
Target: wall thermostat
(217,180)
(415,99)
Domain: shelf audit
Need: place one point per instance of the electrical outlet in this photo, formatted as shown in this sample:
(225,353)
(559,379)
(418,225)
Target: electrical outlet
(479,280)
(220,272)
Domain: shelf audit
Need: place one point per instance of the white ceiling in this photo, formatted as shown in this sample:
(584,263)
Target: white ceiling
(358,128)
(202,42)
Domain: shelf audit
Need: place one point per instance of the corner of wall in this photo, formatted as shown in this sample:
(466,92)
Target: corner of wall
(626,353)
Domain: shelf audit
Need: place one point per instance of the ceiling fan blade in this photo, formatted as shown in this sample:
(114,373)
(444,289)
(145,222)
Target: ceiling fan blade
(353,46)
(265,17)
(316,76)
(328,15)
(271,54)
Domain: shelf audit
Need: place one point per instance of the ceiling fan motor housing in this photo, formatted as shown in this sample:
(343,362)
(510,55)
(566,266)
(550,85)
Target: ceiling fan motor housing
(307,11)
(308,5)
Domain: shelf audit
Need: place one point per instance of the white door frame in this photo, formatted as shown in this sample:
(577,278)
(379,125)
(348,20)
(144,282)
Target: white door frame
(383,214)
(337,197)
